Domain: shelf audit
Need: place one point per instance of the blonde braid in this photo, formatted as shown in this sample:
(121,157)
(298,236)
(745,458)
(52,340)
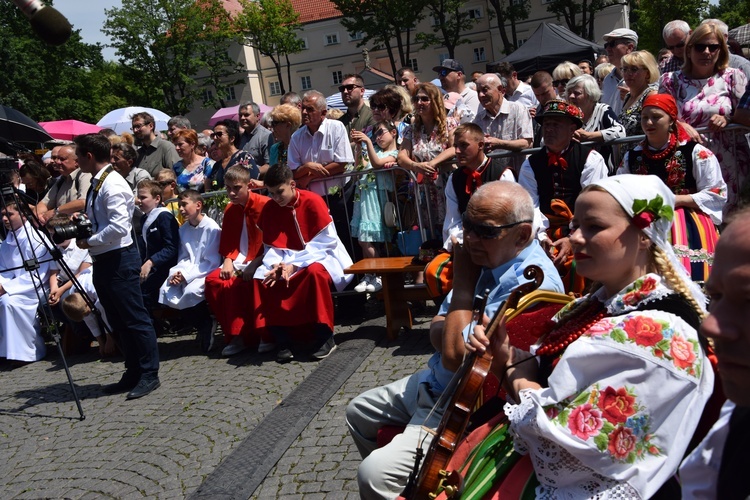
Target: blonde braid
(664,268)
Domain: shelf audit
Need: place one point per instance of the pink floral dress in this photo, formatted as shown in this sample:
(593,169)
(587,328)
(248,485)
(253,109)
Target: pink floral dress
(621,405)
(425,148)
(698,100)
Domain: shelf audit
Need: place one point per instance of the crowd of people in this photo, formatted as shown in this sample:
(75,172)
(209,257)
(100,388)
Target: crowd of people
(623,374)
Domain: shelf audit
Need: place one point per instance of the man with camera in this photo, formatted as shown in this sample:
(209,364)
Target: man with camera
(117,265)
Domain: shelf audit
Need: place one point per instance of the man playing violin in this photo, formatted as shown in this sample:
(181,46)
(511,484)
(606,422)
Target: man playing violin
(498,245)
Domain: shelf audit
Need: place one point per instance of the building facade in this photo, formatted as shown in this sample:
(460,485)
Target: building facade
(331,52)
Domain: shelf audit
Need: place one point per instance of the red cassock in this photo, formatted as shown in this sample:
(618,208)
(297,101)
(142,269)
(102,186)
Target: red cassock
(307,300)
(232,300)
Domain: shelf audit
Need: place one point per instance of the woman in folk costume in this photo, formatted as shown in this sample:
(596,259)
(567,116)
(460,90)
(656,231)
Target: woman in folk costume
(20,340)
(693,174)
(607,400)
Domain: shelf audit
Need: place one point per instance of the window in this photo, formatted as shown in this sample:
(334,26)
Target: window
(521,41)
(208,95)
(434,21)
(442,57)
(338,77)
(332,39)
(414,65)
(230,94)
(275,88)
(306,83)
(476,13)
(304,43)
(479,55)
(356,36)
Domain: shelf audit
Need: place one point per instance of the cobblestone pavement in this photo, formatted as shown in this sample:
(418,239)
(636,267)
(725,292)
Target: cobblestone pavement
(165,445)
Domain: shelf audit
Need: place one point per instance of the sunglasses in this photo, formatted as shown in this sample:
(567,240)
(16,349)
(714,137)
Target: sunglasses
(349,87)
(379,107)
(445,72)
(421,98)
(615,43)
(557,83)
(676,46)
(486,231)
(216,134)
(701,47)
(276,122)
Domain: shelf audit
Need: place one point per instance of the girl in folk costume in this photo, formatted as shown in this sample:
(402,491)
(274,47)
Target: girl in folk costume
(610,405)
(367,224)
(693,174)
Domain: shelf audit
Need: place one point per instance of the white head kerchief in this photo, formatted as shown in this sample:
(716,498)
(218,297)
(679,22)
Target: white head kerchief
(650,205)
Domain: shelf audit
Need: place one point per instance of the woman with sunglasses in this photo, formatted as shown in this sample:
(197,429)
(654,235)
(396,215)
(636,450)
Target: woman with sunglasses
(707,92)
(562,74)
(285,120)
(392,103)
(427,148)
(226,136)
(608,398)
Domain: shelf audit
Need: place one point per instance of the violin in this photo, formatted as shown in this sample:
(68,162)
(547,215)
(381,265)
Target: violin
(433,478)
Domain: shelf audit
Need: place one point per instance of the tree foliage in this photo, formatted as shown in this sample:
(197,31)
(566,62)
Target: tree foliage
(650,18)
(167,44)
(46,82)
(579,15)
(508,13)
(733,12)
(391,32)
(271,26)
(450,21)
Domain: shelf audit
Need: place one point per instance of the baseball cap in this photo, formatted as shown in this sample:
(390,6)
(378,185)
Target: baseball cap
(450,64)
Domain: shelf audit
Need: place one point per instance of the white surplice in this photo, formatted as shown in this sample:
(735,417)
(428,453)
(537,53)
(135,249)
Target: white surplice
(198,256)
(19,328)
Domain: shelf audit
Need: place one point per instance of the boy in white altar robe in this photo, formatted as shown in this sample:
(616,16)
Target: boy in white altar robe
(20,338)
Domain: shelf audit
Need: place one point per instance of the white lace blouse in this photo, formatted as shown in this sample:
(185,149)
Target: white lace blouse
(621,405)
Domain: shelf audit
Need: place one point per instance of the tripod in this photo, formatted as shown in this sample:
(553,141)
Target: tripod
(40,252)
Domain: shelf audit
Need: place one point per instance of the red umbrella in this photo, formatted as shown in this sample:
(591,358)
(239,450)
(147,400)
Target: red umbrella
(67,129)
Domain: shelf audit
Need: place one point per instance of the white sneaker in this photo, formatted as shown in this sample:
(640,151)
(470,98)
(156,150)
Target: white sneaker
(375,284)
(362,285)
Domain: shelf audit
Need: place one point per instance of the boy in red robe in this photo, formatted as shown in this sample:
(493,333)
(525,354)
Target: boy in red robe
(229,288)
(303,257)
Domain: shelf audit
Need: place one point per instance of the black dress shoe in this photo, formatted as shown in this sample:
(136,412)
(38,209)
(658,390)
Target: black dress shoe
(125,384)
(284,356)
(145,386)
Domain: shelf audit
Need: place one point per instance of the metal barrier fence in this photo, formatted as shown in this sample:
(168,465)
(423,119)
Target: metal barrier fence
(409,197)
(736,132)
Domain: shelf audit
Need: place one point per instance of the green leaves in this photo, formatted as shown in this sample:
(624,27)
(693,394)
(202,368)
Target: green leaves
(655,207)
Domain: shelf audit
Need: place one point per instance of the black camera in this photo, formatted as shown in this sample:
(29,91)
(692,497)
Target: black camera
(78,228)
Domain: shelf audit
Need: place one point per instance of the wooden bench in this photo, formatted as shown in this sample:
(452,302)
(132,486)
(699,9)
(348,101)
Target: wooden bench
(395,292)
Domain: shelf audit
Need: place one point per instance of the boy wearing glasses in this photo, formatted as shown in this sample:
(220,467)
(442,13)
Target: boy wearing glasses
(498,245)
(618,43)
